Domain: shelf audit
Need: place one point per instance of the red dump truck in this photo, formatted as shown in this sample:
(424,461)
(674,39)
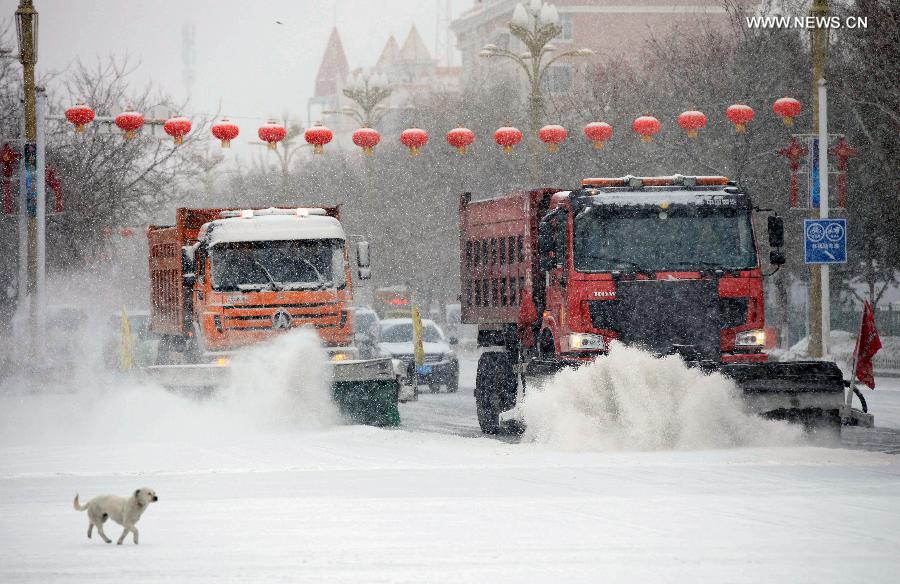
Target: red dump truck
(224,279)
(552,277)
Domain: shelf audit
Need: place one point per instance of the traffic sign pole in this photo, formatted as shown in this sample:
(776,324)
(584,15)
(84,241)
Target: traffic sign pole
(823,213)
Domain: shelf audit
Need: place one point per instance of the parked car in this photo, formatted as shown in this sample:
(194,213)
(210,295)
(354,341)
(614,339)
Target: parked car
(441,365)
(365,331)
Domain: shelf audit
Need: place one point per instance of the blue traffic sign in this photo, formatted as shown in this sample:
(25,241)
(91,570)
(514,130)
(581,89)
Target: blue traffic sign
(825,241)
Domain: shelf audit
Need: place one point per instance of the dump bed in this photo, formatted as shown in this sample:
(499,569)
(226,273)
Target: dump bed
(169,301)
(498,245)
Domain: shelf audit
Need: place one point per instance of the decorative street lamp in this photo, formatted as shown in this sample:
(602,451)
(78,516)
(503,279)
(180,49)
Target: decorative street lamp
(535,24)
(366,90)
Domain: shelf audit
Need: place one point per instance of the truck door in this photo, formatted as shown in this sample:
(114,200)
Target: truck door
(556,291)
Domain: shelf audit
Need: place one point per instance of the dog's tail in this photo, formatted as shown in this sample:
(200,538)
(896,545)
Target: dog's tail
(78,506)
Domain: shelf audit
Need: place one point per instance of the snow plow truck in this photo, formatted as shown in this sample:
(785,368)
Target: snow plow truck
(672,264)
(224,279)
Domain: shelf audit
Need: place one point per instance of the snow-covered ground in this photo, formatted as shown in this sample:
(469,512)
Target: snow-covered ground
(253,488)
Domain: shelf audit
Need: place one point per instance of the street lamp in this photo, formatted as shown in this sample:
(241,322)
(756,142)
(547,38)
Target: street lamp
(535,24)
(367,90)
(27,33)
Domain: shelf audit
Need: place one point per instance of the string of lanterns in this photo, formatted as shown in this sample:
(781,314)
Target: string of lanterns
(460,138)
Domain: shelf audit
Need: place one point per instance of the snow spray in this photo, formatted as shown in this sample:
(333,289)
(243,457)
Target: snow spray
(632,400)
(279,386)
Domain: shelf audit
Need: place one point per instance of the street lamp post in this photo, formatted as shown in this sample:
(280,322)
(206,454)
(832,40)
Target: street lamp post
(27,31)
(535,25)
(367,91)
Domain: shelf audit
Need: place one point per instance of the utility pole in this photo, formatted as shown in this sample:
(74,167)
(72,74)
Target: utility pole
(819,54)
(26,30)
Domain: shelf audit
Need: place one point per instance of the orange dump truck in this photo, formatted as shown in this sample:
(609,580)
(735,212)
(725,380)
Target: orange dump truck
(223,279)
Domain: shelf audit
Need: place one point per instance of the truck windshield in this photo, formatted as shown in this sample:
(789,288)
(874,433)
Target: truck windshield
(277,265)
(656,239)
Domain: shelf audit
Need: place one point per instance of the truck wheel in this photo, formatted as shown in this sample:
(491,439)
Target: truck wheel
(435,388)
(453,384)
(495,390)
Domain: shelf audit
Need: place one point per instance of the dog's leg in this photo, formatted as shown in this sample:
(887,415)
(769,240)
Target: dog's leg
(122,537)
(134,532)
(102,534)
(90,529)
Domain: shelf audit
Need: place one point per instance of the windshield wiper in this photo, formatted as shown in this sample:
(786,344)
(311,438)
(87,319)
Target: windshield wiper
(638,268)
(275,285)
(253,287)
(323,283)
(702,264)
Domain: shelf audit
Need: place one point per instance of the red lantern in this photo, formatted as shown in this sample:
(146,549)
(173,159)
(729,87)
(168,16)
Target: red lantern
(318,136)
(414,138)
(598,133)
(788,108)
(126,232)
(106,232)
(507,137)
(225,131)
(691,121)
(272,133)
(177,127)
(647,126)
(740,115)
(552,136)
(460,138)
(80,115)
(130,122)
(367,139)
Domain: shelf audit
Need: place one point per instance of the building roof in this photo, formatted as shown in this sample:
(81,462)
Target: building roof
(333,69)
(414,49)
(388,54)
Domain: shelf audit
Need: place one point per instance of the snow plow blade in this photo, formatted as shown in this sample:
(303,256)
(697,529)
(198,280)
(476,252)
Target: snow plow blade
(365,391)
(809,392)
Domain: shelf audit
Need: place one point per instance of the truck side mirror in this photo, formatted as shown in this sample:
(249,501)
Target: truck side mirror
(188,266)
(362,260)
(776,231)
(776,257)
(362,254)
(546,245)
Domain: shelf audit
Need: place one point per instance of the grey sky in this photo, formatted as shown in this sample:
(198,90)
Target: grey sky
(255,67)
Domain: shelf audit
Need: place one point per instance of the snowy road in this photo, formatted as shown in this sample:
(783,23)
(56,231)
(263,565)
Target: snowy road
(432,501)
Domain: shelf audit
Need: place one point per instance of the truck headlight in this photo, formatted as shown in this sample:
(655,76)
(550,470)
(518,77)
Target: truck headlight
(586,342)
(344,354)
(754,338)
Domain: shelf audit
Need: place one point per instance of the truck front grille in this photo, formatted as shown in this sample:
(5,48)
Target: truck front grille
(662,314)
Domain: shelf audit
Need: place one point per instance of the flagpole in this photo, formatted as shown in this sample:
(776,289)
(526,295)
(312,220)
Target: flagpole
(849,398)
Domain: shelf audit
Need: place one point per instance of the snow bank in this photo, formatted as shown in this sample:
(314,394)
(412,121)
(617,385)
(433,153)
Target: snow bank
(631,400)
(278,386)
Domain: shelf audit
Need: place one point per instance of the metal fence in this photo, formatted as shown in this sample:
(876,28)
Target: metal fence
(887,321)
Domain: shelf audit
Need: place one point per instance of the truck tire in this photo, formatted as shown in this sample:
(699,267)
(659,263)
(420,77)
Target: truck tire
(495,390)
(453,384)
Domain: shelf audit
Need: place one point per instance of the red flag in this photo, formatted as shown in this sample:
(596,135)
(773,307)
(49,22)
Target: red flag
(867,344)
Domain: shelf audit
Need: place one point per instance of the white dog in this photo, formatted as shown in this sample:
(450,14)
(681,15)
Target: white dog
(123,510)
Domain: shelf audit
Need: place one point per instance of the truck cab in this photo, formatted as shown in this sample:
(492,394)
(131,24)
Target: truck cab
(247,275)
(669,263)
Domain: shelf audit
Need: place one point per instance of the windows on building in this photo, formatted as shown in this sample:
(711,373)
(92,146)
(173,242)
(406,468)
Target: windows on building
(565,21)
